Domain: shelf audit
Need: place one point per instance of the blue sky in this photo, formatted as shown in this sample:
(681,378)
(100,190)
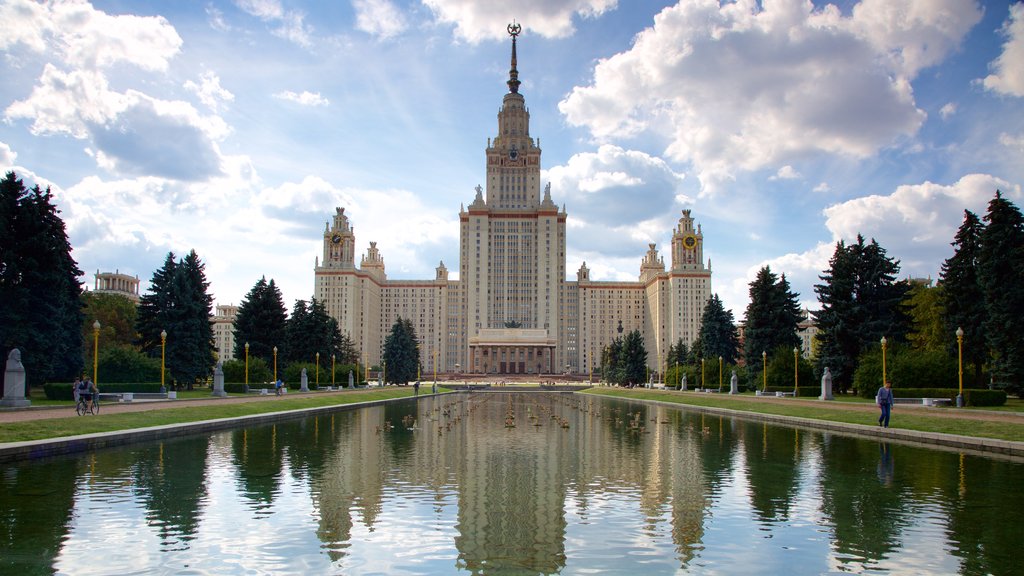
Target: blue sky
(235,128)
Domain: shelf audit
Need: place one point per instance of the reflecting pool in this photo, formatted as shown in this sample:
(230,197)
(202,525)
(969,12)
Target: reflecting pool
(504,483)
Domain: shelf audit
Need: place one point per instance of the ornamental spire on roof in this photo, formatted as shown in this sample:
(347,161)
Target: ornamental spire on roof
(513,74)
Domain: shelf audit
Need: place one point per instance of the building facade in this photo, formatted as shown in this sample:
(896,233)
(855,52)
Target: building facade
(512,309)
(223,324)
(117,283)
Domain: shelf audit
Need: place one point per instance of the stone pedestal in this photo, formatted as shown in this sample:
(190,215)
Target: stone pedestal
(14,382)
(826,386)
(734,384)
(304,382)
(218,381)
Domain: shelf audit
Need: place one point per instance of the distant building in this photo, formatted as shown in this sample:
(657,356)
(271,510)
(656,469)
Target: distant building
(223,322)
(512,310)
(117,283)
(806,329)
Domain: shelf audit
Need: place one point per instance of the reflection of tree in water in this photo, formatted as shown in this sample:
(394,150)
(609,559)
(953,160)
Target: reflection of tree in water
(258,455)
(170,478)
(978,490)
(773,468)
(866,517)
(36,500)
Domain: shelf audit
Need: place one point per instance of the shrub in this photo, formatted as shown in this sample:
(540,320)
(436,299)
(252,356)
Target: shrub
(65,390)
(985,397)
(905,368)
(234,371)
(235,388)
(126,364)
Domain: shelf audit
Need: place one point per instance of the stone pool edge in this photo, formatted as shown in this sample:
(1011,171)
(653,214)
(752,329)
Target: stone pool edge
(984,446)
(47,447)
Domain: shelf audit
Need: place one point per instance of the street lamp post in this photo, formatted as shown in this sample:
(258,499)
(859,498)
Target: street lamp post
(884,378)
(318,370)
(333,359)
(247,366)
(764,371)
(960,365)
(719,373)
(95,351)
(275,364)
(796,371)
(163,357)
(702,386)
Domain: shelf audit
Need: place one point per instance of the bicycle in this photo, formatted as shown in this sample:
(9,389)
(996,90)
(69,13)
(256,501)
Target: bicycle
(83,406)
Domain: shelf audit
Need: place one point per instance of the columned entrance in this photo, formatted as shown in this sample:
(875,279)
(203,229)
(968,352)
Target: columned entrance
(512,351)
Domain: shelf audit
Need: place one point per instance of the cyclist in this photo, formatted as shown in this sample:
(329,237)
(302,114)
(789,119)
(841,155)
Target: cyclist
(85,389)
(277,386)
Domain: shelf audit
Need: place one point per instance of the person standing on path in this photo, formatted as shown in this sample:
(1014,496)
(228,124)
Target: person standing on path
(884,399)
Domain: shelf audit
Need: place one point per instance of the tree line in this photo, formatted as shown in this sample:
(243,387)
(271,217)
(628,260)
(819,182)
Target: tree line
(979,292)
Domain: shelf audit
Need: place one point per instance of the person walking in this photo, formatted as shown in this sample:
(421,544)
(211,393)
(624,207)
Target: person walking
(884,399)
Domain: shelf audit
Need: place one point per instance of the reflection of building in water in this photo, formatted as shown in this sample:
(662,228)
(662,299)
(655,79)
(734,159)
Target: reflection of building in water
(350,482)
(512,491)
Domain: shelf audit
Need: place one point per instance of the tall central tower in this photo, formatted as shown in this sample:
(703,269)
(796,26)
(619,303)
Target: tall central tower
(512,261)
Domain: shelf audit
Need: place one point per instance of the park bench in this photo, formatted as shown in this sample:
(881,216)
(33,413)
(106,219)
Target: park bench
(128,397)
(924,401)
(784,394)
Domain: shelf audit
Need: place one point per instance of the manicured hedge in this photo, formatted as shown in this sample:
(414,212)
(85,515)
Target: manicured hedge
(65,390)
(971,397)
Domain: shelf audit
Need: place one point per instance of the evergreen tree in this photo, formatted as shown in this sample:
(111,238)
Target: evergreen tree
(963,298)
(718,333)
(261,322)
(1001,271)
(924,309)
(678,353)
(401,356)
(154,307)
(40,308)
(772,316)
(860,303)
(178,302)
(347,352)
(299,336)
(633,359)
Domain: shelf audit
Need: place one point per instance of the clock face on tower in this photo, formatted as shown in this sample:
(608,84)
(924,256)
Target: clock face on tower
(336,238)
(690,241)
(513,153)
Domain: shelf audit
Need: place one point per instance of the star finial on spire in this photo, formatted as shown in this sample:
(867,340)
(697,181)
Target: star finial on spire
(514,30)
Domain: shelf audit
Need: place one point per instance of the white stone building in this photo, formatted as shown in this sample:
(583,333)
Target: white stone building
(223,323)
(512,310)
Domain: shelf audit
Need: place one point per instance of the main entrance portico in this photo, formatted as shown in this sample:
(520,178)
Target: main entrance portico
(512,351)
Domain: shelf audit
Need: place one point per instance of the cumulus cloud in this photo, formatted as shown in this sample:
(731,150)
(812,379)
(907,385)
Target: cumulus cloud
(304,98)
(947,110)
(380,18)
(1008,68)
(787,172)
(131,133)
(7,156)
(477,21)
(741,86)
(209,90)
(617,199)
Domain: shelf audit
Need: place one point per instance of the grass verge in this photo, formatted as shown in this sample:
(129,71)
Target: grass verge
(74,425)
(907,419)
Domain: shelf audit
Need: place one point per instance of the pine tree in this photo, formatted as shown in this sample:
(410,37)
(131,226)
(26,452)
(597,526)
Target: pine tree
(860,303)
(1001,271)
(633,359)
(154,307)
(299,336)
(40,308)
(193,341)
(261,322)
(401,356)
(718,333)
(771,317)
(962,295)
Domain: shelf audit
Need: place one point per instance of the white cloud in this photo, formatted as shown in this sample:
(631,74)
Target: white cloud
(741,86)
(1011,141)
(87,38)
(822,187)
(787,172)
(304,98)
(1008,68)
(209,90)
(379,18)
(476,21)
(7,156)
(291,24)
(947,110)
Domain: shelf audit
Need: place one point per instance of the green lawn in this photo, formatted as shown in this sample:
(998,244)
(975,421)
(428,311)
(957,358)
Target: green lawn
(74,425)
(906,419)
